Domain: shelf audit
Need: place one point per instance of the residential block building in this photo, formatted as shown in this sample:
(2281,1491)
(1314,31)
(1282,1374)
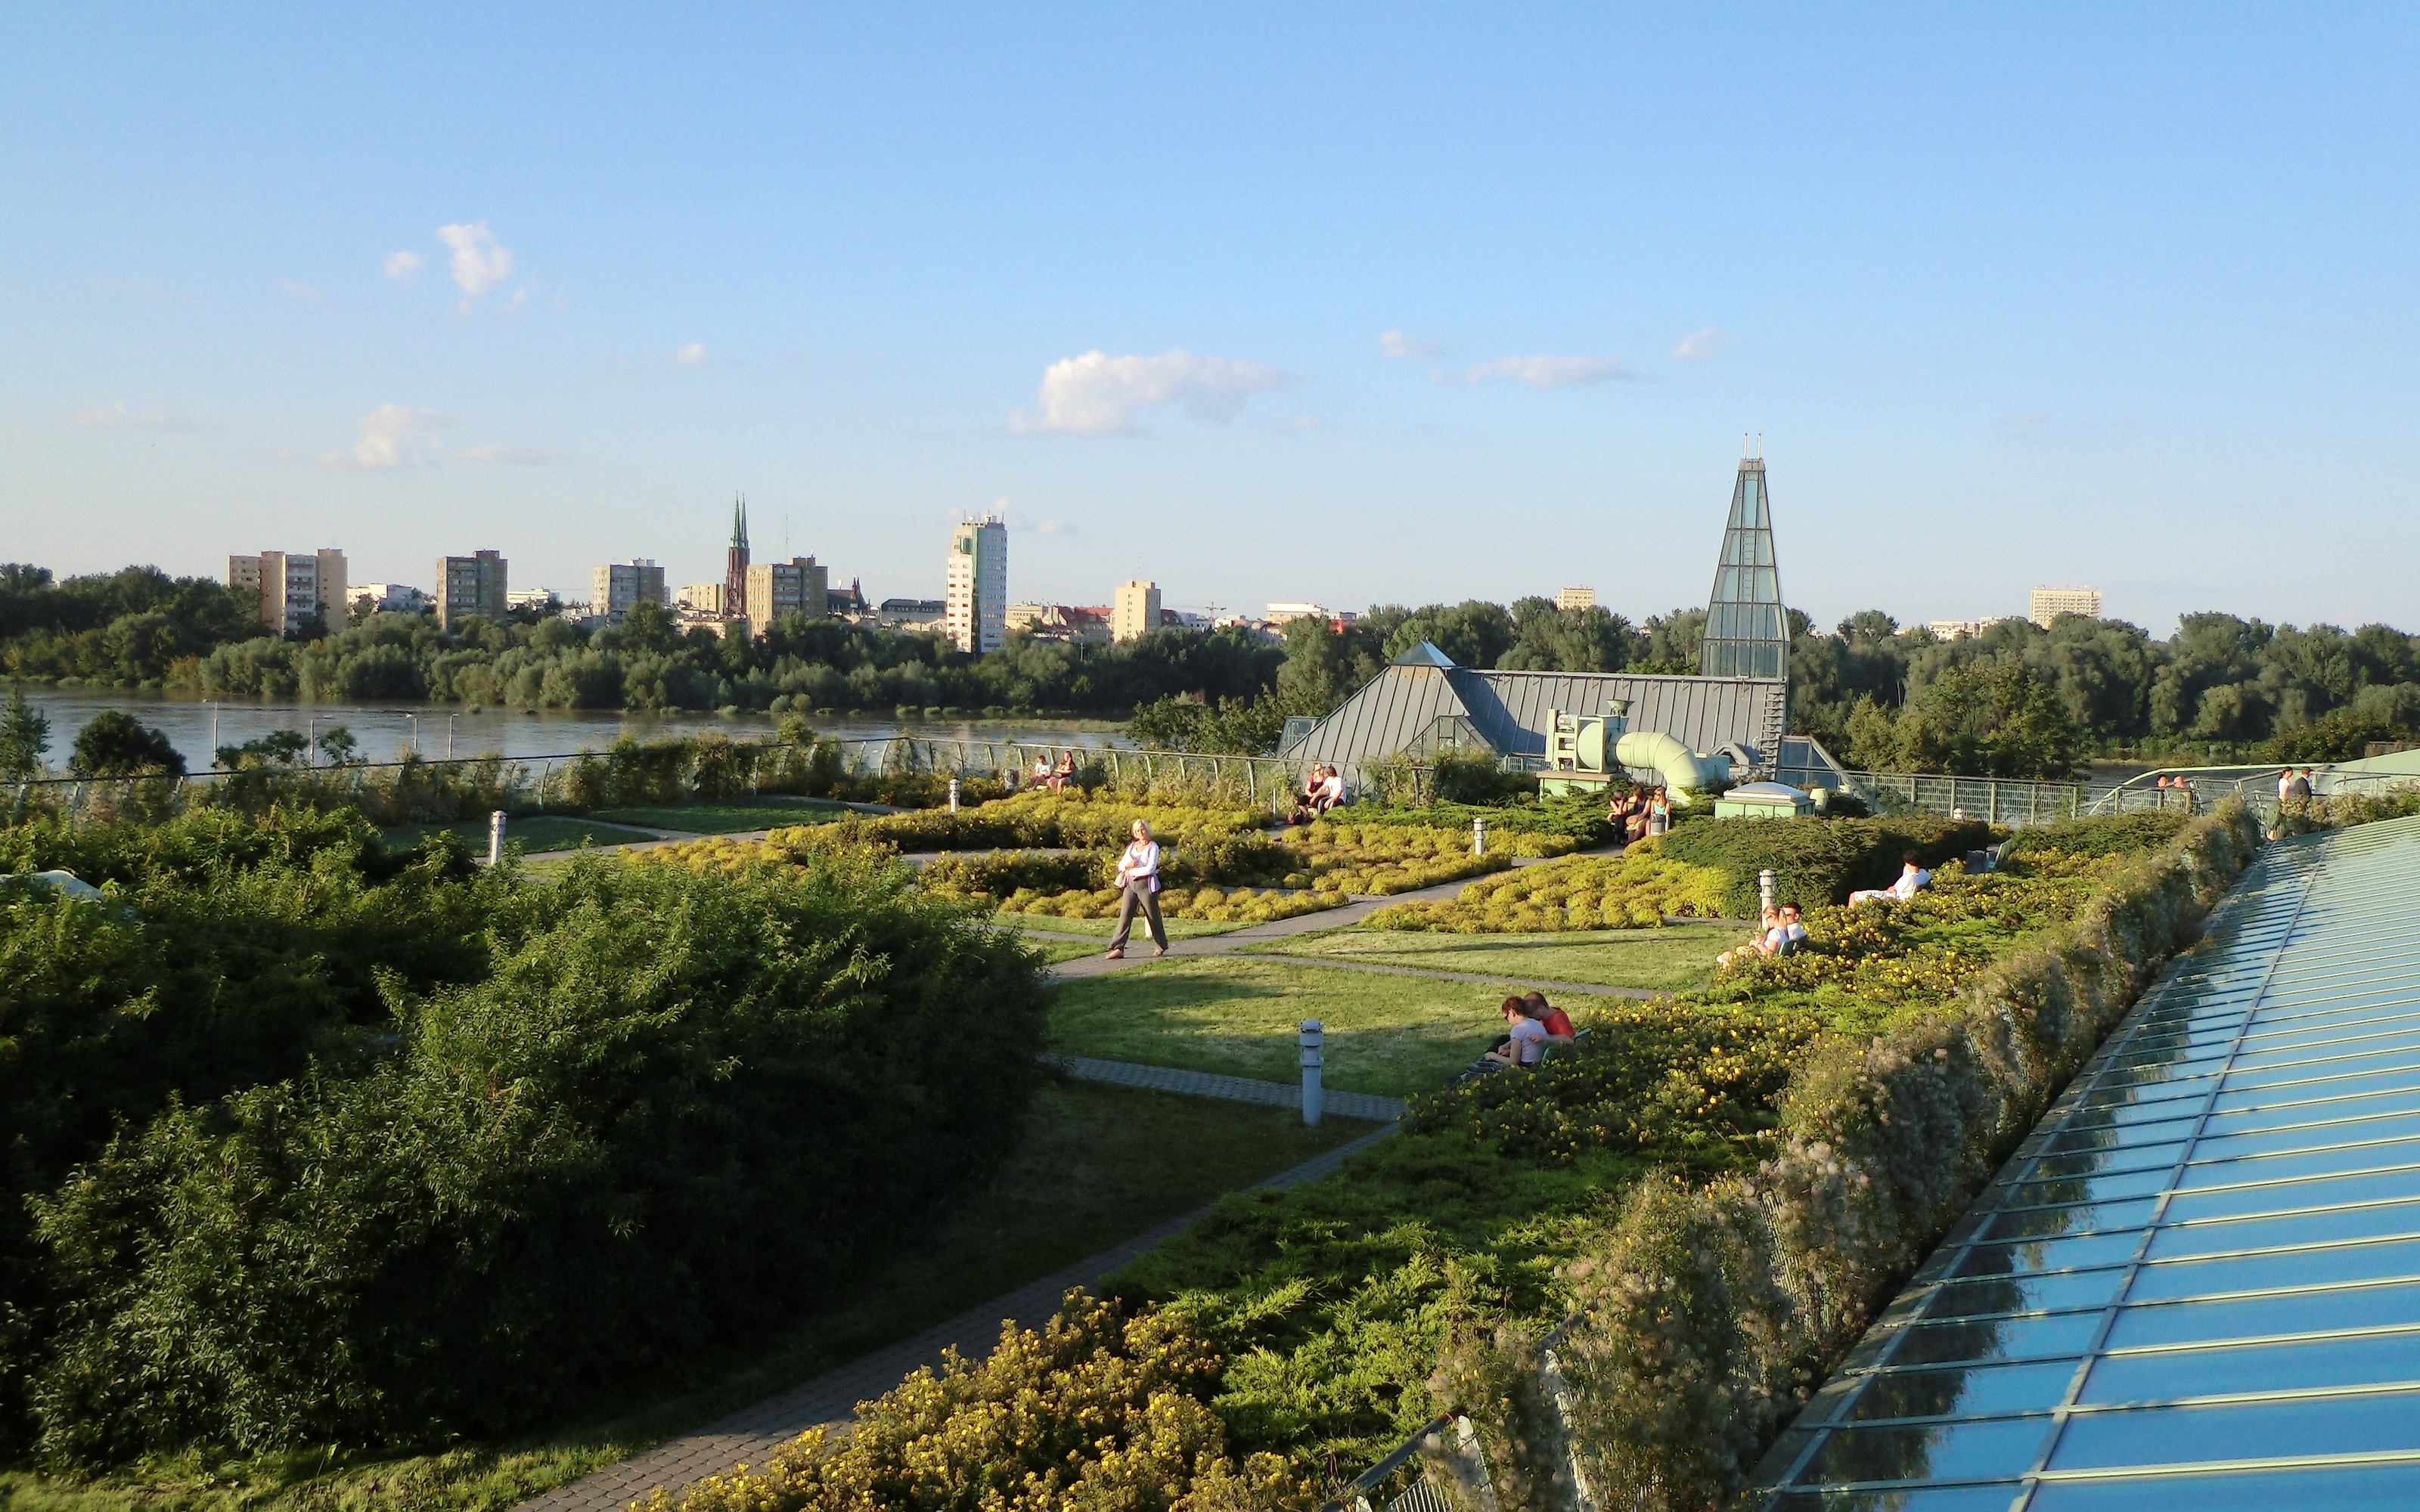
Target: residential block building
(471,585)
(1952,630)
(976,588)
(1137,610)
(2047,604)
(703,598)
(1058,622)
(797,586)
(293,587)
(618,587)
(390,598)
(1575,598)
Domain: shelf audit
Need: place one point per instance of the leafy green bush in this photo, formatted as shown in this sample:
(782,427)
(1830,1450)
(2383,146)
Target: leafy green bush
(525,1140)
(1578,818)
(1098,1408)
(998,873)
(1817,860)
(2100,833)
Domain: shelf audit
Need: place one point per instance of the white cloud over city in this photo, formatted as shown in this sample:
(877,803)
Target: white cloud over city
(1553,372)
(1404,343)
(401,265)
(1097,394)
(690,356)
(393,437)
(479,263)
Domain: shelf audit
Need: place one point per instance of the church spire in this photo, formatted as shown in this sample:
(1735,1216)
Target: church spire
(739,522)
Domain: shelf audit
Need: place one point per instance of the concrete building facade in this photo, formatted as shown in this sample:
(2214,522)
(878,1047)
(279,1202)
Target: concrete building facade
(618,587)
(390,598)
(471,585)
(1137,610)
(797,586)
(976,598)
(1575,598)
(292,587)
(703,598)
(2047,604)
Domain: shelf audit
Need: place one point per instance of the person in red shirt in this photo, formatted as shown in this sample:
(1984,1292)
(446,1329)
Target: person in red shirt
(1556,1023)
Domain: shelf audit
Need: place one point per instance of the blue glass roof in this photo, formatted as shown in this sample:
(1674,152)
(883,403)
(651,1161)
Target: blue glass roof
(2198,1282)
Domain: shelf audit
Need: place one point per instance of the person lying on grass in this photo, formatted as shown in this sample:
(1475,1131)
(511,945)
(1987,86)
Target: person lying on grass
(1912,876)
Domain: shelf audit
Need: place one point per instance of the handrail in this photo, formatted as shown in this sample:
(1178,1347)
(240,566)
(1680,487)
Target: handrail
(1393,1462)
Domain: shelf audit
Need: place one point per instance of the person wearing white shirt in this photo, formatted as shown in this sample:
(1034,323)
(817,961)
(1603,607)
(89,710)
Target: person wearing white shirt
(1138,883)
(1911,877)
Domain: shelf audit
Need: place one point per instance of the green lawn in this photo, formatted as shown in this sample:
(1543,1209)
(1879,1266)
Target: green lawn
(729,817)
(1096,1164)
(1055,952)
(1238,1016)
(1660,959)
(543,832)
(1178,928)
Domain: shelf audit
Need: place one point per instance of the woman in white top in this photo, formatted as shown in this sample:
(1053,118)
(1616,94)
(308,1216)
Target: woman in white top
(1138,881)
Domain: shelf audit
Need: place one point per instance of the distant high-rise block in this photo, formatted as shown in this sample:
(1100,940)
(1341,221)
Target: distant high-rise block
(703,598)
(1747,631)
(1575,598)
(618,587)
(293,587)
(976,602)
(797,586)
(470,585)
(2047,604)
(1137,610)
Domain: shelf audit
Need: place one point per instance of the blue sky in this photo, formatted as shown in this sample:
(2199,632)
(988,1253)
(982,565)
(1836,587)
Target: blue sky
(1349,304)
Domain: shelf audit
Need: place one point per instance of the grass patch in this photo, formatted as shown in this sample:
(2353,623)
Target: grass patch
(1095,1164)
(545,832)
(729,817)
(1658,960)
(1178,928)
(1235,1016)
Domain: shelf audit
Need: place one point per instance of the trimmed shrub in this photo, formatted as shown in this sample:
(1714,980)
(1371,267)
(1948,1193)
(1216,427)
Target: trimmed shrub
(1634,890)
(2101,834)
(1816,860)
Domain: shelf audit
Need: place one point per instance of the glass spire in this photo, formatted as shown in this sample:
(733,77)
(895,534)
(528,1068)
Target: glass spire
(1746,633)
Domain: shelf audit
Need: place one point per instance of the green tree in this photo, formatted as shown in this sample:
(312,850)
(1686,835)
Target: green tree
(25,735)
(1989,720)
(116,744)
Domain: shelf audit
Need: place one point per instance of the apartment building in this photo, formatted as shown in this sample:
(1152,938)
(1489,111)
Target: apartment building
(1137,610)
(618,587)
(293,587)
(976,596)
(471,585)
(2047,604)
(1568,598)
(799,586)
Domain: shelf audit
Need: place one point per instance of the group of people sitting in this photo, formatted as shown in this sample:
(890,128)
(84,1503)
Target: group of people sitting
(1778,933)
(1323,787)
(1055,777)
(1638,813)
(1531,1025)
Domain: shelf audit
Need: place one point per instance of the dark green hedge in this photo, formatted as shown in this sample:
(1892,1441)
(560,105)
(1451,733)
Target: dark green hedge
(1580,817)
(2103,834)
(383,1197)
(1818,860)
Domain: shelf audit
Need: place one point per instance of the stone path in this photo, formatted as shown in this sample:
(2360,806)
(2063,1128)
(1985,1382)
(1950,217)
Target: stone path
(751,1435)
(1234,1088)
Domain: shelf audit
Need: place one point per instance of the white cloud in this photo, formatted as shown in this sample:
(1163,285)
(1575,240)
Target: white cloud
(1699,345)
(401,263)
(1402,343)
(509,456)
(691,355)
(478,264)
(301,291)
(117,417)
(392,438)
(1097,394)
(1553,372)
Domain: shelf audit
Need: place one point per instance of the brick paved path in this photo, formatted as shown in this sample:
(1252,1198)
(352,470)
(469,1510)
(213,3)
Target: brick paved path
(829,1400)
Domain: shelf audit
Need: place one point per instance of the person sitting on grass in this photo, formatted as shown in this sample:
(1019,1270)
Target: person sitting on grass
(1767,940)
(1556,1023)
(1793,933)
(1911,877)
(1523,1042)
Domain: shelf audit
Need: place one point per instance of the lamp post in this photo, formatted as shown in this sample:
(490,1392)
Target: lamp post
(449,737)
(214,729)
(412,737)
(1310,1039)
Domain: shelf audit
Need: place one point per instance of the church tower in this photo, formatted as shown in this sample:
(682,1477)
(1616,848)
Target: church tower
(1747,632)
(734,571)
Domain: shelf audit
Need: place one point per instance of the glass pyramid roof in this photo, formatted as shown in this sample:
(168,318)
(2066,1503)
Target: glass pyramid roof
(1746,633)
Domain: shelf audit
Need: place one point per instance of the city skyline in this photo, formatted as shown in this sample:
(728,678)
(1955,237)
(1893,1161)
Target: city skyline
(2096,297)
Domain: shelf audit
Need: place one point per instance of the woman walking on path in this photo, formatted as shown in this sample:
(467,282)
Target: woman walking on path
(1138,881)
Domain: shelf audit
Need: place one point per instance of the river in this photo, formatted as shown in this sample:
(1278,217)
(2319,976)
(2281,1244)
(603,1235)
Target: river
(385,730)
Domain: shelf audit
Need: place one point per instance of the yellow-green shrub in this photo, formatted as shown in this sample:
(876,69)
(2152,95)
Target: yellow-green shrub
(1635,890)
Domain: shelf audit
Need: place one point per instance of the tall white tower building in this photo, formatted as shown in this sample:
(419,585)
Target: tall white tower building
(976,605)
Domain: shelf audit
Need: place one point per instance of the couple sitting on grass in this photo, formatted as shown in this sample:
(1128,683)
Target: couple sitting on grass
(1530,1025)
(1781,934)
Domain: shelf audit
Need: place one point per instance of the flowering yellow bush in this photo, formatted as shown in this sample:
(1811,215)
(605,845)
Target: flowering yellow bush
(1635,890)
(1234,906)
(1098,1409)
(721,854)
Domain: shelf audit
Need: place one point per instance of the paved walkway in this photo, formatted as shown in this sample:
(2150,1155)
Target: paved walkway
(829,1400)
(1234,1088)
